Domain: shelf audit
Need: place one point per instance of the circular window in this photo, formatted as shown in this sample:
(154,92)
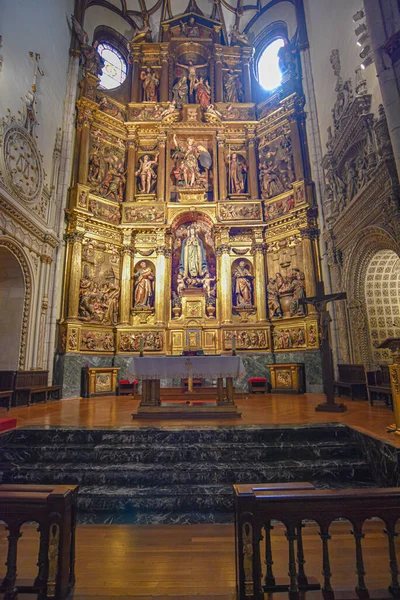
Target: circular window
(269,73)
(114,70)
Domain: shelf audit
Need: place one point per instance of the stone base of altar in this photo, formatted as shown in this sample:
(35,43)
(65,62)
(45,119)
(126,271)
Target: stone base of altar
(183,410)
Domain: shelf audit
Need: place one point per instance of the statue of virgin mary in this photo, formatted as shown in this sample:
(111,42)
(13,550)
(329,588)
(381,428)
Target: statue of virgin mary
(193,262)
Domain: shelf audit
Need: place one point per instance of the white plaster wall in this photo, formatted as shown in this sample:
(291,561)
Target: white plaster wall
(98,15)
(38,26)
(330,25)
(284,11)
(12,291)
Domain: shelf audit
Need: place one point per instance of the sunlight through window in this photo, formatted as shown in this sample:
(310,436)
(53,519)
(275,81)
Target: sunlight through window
(114,70)
(269,73)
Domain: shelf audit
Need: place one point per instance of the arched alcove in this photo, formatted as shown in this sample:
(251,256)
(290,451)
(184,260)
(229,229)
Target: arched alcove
(382,299)
(12,296)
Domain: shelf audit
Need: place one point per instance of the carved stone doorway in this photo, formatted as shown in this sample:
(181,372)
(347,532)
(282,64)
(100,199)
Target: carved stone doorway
(12,302)
(382,299)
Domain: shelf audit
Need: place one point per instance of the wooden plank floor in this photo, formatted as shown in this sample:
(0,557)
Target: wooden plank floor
(194,562)
(258,409)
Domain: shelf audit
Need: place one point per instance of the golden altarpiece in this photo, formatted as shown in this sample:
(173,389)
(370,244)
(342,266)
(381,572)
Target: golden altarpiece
(191,221)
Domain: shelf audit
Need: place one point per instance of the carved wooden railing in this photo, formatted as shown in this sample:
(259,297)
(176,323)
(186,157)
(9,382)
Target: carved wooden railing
(53,508)
(258,505)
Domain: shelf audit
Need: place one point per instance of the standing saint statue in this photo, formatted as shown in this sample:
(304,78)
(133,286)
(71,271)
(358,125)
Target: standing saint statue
(190,29)
(237,174)
(146,173)
(193,261)
(150,83)
(203,92)
(180,92)
(144,286)
(242,285)
(232,87)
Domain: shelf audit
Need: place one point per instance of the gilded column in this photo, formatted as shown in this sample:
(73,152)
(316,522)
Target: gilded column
(84,121)
(130,168)
(164,80)
(224,277)
(74,239)
(161,283)
(258,251)
(167,277)
(253,176)
(126,277)
(310,273)
(218,74)
(221,166)
(134,58)
(246,58)
(162,139)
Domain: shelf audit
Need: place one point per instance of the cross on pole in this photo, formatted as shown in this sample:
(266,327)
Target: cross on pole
(320,303)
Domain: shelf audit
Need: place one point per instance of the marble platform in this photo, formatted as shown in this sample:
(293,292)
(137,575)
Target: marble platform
(179,475)
(68,369)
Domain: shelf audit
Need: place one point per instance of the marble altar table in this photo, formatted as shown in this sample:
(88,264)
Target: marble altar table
(152,369)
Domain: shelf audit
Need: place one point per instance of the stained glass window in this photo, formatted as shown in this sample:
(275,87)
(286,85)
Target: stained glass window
(114,70)
(269,73)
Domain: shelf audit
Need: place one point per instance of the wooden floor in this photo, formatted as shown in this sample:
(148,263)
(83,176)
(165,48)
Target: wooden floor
(257,409)
(195,562)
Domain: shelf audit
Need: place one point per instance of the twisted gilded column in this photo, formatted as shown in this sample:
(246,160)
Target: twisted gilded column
(85,118)
(253,175)
(131,167)
(162,140)
(221,166)
(309,263)
(134,59)
(161,283)
(258,251)
(164,74)
(224,277)
(218,74)
(126,277)
(74,240)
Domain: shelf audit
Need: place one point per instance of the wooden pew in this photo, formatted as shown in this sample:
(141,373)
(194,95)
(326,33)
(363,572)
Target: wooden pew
(257,506)
(54,509)
(351,380)
(28,387)
(378,386)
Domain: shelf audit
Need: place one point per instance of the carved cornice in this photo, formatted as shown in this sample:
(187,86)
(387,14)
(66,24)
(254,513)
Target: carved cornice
(27,223)
(222,249)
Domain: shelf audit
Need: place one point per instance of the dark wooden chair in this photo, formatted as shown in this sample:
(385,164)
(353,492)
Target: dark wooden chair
(258,384)
(127,388)
(351,381)
(378,386)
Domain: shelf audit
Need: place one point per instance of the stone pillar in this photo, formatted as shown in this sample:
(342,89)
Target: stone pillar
(164,80)
(246,58)
(126,278)
(383,22)
(221,166)
(43,305)
(162,140)
(258,251)
(84,121)
(74,240)
(253,175)
(218,74)
(131,168)
(134,58)
(161,282)
(225,289)
(309,263)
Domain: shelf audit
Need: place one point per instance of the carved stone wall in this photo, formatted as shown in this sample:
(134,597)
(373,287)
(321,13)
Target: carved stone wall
(362,212)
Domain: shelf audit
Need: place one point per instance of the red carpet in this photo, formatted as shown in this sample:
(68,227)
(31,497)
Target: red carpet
(6,424)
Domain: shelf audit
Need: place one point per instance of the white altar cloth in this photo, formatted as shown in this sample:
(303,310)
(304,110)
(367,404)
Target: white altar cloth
(169,367)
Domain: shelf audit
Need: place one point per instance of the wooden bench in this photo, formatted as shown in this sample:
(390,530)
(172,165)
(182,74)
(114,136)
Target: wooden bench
(351,380)
(127,388)
(6,398)
(53,508)
(258,384)
(378,386)
(28,387)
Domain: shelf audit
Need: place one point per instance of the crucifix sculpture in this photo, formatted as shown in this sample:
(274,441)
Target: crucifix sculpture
(320,303)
